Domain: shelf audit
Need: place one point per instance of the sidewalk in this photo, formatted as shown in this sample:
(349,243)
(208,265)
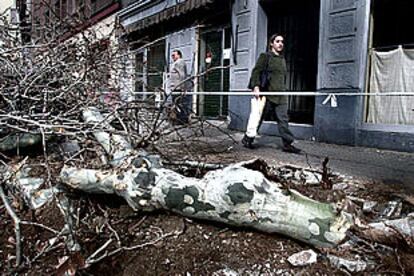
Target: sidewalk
(389,167)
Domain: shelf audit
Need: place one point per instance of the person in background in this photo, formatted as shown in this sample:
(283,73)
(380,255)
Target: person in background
(276,63)
(178,83)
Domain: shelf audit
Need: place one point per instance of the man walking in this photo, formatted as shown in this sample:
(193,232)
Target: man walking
(178,83)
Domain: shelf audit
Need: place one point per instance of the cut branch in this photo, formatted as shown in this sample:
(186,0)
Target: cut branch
(16,221)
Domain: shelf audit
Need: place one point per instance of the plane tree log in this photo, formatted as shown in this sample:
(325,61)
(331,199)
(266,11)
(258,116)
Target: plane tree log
(235,195)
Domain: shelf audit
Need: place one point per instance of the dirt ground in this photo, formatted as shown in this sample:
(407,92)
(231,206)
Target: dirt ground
(163,243)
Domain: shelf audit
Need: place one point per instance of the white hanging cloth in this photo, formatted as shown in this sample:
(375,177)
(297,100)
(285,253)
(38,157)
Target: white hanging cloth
(392,71)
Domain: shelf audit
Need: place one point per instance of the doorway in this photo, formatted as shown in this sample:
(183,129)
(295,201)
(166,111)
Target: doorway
(215,45)
(298,22)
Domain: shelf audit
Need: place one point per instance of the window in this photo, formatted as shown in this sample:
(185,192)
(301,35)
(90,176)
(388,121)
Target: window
(140,79)
(99,64)
(99,5)
(155,66)
(392,23)
(391,63)
(150,68)
(83,10)
(57,10)
(71,7)
(64,8)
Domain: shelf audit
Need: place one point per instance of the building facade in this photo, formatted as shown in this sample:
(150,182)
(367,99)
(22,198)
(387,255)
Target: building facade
(89,31)
(61,19)
(8,12)
(15,13)
(342,47)
(7,5)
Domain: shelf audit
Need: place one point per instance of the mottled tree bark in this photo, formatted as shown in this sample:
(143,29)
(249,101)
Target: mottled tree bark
(234,195)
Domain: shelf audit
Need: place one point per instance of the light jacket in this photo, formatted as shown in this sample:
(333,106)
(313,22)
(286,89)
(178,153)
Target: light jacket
(178,74)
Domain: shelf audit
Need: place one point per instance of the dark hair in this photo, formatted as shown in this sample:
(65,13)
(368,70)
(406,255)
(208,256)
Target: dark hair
(179,53)
(273,37)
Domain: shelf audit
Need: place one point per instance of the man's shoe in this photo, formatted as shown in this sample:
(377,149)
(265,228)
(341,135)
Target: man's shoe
(247,142)
(291,149)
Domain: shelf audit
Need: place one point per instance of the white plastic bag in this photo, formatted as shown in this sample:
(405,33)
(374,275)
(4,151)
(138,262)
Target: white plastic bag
(256,111)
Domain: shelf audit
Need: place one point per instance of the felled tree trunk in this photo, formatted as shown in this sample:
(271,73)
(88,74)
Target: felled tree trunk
(234,195)
(116,146)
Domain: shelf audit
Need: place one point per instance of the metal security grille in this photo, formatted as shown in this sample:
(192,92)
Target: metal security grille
(213,43)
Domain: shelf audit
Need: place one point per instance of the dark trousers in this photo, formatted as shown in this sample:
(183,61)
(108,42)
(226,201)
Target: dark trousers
(280,112)
(183,107)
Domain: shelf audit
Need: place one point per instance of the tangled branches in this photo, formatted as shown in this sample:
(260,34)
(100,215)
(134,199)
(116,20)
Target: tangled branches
(47,83)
